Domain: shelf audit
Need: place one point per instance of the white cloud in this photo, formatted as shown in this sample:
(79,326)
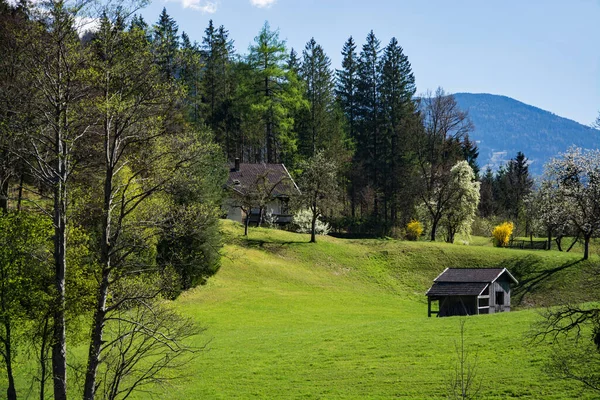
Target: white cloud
(204,6)
(262,3)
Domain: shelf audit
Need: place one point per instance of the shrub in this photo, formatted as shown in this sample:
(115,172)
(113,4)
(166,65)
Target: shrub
(502,233)
(302,223)
(414,229)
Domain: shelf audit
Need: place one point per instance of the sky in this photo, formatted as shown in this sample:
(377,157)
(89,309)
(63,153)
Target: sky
(545,53)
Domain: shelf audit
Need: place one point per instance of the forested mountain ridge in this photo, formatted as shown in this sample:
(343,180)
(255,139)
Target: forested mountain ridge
(504,126)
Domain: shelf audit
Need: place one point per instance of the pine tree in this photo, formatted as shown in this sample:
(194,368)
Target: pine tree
(318,79)
(166,44)
(368,140)
(396,87)
(346,85)
(217,86)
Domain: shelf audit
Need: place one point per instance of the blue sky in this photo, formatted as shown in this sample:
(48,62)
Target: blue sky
(542,52)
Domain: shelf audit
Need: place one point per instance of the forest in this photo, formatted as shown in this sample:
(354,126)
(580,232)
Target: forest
(114,147)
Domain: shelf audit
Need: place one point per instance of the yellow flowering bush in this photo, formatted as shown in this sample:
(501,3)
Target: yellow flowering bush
(414,229)
(502,233)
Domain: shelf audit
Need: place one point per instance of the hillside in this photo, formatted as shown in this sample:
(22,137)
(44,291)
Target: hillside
(348,319)
(504,126)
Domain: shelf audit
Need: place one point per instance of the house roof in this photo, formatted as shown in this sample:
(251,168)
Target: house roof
(457,289)
(248,175)
(466,281)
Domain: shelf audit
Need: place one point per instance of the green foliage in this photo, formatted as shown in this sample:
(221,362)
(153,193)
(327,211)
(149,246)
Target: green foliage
(502,233)
(414,230)
(274,95)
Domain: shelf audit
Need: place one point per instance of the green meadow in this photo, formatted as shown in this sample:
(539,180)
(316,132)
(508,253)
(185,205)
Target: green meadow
(348,319)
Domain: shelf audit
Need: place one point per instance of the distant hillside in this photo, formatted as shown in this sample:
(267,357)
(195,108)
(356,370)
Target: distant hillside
(504,126)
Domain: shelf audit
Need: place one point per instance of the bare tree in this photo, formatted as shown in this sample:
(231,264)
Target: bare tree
(464,383)
(145,340)
(445,128)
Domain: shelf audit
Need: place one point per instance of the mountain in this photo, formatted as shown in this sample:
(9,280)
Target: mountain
(504,126)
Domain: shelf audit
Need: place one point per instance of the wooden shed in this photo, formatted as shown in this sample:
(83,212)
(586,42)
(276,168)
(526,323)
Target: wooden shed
(470,291)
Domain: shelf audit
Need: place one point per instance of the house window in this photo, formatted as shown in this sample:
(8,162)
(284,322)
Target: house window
(500,298)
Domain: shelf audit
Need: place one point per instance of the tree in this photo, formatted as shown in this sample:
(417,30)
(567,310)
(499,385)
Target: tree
(576,176)
(318,78)
(24,268)
(463,203)
(142,146)
(487,204)
(319,189)
(445,127)
(514,184)
(217,86)
(273,98)
(165,44)
(399,126)
(56,62)
(368,138)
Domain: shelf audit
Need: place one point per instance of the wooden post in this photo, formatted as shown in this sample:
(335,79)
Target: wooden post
(428,307)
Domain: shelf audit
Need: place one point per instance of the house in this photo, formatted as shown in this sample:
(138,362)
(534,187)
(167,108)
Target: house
(470,291)
(255,189)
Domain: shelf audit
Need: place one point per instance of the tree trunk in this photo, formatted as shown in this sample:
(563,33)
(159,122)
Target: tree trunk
(558,241)
(246,223)
(59,344)
(586,246)
(434,225)
(4,196)
(89,389)
(573,243)
(11,392)
(313,228)
(549,239)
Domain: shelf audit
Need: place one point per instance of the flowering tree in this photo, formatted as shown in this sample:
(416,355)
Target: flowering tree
(464,199)
(576,176)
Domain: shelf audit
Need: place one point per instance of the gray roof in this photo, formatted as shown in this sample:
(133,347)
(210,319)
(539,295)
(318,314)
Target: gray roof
(457,289)
(466,281)
(472,275)
(249,175)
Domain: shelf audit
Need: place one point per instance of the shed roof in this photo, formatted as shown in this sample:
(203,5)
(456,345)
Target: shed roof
(457,289)
(486,275)
(248,175)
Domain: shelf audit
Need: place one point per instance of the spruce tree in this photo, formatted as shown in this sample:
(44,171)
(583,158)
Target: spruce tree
(217,86)
(318,79)
(396,87)
(368,140)
(166,44)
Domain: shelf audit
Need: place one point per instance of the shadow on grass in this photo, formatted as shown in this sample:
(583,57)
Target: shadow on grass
(531,274)
(264,244)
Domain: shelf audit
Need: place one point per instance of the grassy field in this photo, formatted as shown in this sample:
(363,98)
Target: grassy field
(348,319)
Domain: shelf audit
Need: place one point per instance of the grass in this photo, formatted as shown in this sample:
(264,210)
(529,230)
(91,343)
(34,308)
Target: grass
(347,319)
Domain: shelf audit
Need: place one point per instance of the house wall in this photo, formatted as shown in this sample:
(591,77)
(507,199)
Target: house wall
(500,304)
(235,213)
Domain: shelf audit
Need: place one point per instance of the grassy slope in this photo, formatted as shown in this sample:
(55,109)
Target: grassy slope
(347,319)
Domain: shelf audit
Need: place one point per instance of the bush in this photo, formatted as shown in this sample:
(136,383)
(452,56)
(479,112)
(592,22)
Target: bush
(502,233)
(302,223)
(414,229)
